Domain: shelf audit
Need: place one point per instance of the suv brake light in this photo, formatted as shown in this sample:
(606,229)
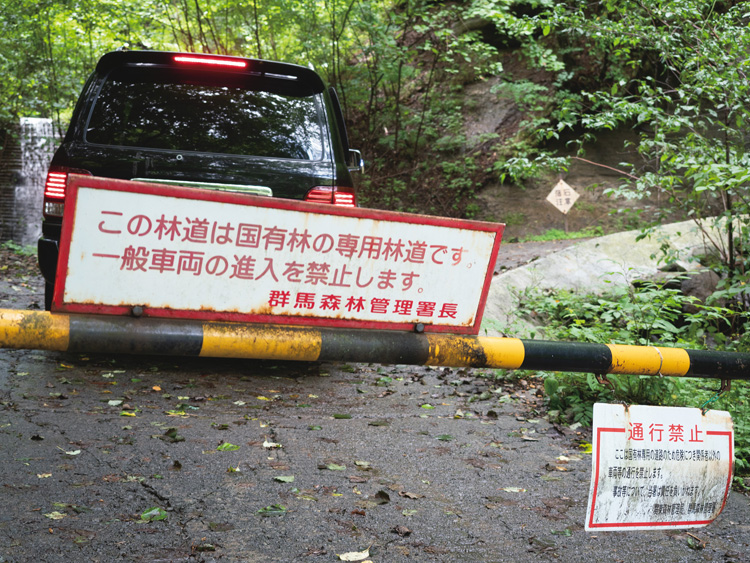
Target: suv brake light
(54,189)
(209,61)
(343,197)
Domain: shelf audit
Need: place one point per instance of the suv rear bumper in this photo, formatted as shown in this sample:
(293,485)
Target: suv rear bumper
(48,250)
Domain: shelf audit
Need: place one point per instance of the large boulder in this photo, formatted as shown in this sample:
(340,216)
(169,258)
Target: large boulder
(593,266)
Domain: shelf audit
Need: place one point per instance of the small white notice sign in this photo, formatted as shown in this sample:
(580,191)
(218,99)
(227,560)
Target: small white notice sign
(658,467)
(562,196)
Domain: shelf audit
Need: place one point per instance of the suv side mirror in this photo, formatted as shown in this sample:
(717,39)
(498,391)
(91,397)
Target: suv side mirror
(356,163)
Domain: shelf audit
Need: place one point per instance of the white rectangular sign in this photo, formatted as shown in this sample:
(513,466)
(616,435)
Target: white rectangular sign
(182,252)
(658,467)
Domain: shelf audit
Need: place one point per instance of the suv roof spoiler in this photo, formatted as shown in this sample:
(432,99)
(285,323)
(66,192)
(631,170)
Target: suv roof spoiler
(270,69)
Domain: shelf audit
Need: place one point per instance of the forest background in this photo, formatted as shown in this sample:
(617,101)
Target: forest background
(672,73)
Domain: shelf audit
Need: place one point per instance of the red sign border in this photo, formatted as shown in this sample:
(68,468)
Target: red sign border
(626,525)
(76,181)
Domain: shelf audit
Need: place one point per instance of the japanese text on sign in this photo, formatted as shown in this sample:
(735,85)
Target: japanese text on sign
(228,257)
(658,467)
(562,196)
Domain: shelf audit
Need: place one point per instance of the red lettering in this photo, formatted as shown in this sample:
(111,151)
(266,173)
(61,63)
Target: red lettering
(675,433)
(134,259)
(408,280)
(139,225)
(379,306)
(403,307)
(339,280)
(217,266)
(248,236)
(386,279)
(167,227)
(196,231)
(278,298)
(305,301)
(109,231)
(448,311)
(457,254)
(323,243)
(269,268)
(299,241)
(243,267)
(163,260)
(330,302)
(371,246)
(190,261)
(393,250)
(221,234)
(356,304)
(294,271)
(438,250)
(317,273)
(347,245)
(426,308)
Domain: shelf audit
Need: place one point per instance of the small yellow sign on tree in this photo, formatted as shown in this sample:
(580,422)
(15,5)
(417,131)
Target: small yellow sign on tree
(562,196)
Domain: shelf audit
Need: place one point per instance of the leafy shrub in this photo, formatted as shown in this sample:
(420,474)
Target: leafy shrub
(645,315)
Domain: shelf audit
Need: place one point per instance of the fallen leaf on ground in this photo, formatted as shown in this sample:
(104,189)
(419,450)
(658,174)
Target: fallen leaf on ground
(154,514)
(332,467)
(227,447)
(55,515)
(171,436)
(355,555)
(273,510)
(402,531)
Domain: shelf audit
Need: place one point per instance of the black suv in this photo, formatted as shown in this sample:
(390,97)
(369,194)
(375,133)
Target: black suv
(214,122)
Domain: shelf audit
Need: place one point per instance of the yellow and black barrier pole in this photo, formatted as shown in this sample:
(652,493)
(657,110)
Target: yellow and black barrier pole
(128,335)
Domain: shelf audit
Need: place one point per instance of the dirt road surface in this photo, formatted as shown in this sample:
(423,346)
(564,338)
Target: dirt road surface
(173,459)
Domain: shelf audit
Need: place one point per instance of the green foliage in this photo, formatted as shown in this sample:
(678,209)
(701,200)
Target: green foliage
(676,71)
(29,250)
(640,315)
(399,67)
(646,315)
(559,234)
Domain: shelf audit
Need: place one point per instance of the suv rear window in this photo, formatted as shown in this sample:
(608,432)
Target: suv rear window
(240,114)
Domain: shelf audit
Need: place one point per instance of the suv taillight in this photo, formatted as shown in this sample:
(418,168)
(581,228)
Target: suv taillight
(210,61)
(343,197)
(54,189)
